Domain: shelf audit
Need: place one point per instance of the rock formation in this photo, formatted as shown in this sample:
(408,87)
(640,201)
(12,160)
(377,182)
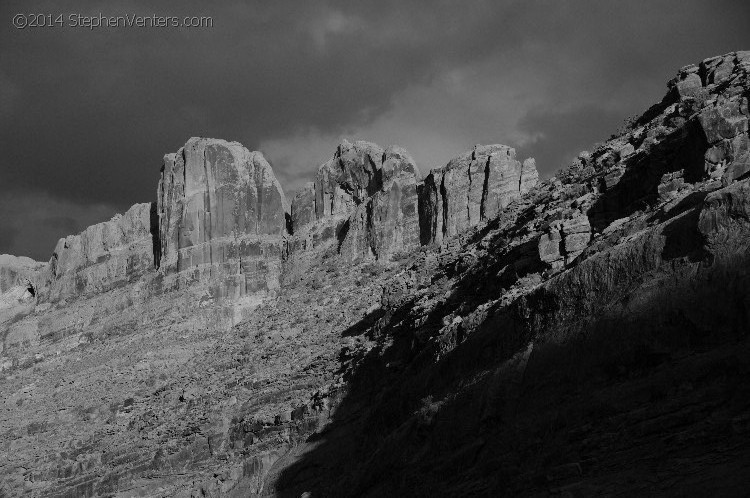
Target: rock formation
(472,187)
(698,131)
(15,271)
(19,281)
(222,217)
(584,335)
(364,199)
(102,257)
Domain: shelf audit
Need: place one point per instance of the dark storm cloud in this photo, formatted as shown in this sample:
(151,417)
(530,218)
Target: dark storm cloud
(561,135)
(86,115)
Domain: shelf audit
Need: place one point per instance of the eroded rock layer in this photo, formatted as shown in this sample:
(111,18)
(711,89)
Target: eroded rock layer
(102,257)
(222,217)
(19,283)
(15,271)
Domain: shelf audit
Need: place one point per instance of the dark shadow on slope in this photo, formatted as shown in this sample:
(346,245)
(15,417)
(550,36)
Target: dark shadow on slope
(405,351)
(688,202)
(402,348)
(604,413)
(341,232)
(620,404)
(366,323)
(683,238)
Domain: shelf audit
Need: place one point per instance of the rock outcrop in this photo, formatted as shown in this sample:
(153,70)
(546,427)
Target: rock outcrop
(102,257)
(222,218)
(15,271)
(19,281)
(698,131)
(364,200)
(564,240)
(472,187)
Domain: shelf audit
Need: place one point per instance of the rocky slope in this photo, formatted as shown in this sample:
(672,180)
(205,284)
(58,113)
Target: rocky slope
(585,335)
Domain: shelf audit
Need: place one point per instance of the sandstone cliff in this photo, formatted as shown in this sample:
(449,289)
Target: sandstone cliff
(15,271)
(222,217)
(19,281)
(472,187)
(102,257)
(364,201)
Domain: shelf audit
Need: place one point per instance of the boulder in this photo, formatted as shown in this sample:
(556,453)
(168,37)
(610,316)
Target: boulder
(222,217)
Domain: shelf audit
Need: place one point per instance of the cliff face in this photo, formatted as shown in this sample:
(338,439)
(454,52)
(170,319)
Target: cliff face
(472,187)
(585,335)
(364,199)
(222,217)
(19,281)
(102,257)
(15,271)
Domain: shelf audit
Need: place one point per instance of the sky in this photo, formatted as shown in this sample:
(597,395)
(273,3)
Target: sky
(86,115)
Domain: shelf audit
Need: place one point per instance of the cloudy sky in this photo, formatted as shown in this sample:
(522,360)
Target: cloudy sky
(86,115)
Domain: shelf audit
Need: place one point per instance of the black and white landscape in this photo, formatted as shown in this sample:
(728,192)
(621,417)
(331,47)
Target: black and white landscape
(449,249)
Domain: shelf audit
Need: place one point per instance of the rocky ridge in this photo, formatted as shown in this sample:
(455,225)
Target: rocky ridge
(101,257)
(585,335)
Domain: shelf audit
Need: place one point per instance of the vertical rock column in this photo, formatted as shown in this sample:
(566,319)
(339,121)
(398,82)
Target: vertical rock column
(472,187)
(364,200)
(387,222)
(221,218)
